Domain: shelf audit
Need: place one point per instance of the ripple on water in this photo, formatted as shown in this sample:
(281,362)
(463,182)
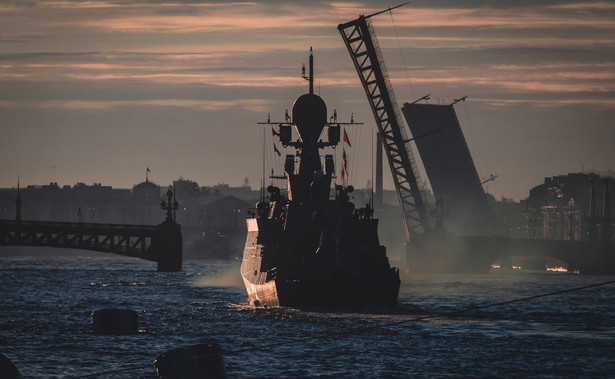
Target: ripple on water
(47,303)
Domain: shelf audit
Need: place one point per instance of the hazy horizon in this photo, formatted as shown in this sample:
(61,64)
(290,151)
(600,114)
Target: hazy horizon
(96,92)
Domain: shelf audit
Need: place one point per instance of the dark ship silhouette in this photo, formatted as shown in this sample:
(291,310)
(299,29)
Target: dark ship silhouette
(308,249)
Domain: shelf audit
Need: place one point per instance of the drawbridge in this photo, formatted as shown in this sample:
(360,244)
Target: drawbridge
(360,40)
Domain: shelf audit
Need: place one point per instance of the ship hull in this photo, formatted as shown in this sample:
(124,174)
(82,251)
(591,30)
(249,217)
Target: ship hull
(277,270)
(324,292)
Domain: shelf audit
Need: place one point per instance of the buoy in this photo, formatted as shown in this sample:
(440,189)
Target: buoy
(8,369)
(198,361)
(115,321)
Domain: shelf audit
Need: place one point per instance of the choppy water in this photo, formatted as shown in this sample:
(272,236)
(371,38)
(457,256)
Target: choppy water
(46,304)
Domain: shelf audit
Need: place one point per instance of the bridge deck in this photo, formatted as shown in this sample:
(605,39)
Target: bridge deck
(122,239)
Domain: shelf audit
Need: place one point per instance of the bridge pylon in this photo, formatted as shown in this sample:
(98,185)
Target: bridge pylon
(167,244)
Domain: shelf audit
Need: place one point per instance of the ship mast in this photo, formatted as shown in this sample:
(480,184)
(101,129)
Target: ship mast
(309,78)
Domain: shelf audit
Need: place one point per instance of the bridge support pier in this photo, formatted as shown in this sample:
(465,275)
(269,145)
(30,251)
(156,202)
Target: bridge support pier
(167,246)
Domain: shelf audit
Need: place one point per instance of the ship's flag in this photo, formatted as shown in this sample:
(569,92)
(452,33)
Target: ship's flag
(274,132)
(148,170)
(346,139)
(275,148)
(344,158)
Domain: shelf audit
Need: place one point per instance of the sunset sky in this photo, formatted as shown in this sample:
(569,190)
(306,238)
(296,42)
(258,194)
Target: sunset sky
(96,91)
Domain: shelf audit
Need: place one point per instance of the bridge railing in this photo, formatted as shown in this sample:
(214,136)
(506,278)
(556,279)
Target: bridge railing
(123,239)
(129,227)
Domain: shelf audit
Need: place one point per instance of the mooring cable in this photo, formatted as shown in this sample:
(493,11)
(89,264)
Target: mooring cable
(359,329)
(403,58)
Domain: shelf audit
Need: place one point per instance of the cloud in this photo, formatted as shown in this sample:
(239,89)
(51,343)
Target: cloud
(252,105)
(144,63)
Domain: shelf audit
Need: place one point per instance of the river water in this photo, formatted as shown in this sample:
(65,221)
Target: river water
(46,331)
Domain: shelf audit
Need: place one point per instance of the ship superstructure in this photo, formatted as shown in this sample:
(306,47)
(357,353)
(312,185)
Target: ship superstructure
(313,247)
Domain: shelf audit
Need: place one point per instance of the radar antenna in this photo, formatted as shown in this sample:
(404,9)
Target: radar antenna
(460,99)
(489,179)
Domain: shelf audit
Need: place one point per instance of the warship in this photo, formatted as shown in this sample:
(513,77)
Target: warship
(310,246)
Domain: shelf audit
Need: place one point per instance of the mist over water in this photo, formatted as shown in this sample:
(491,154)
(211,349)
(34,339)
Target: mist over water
(226,277)
(47,301)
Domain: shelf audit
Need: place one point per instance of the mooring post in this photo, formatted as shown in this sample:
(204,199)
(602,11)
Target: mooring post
(167,244)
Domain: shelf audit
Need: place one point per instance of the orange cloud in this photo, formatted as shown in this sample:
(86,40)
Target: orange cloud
(516,18)
(254,105)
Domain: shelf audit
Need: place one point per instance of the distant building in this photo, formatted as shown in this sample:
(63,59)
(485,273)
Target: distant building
(201,211)
(86,203)
(571,207)
(244,192)
(146,190)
